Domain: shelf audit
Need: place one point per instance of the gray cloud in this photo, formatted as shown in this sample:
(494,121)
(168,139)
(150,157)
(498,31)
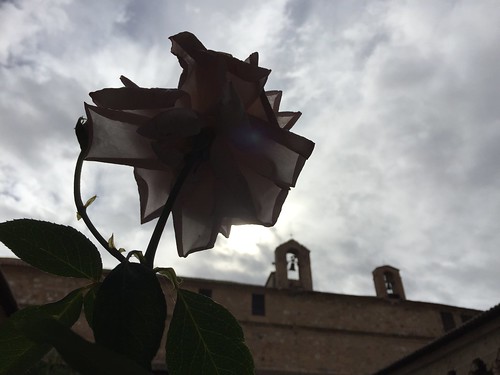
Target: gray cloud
(401,99)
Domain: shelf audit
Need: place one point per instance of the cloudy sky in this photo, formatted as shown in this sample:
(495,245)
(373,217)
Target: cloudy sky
(401,98)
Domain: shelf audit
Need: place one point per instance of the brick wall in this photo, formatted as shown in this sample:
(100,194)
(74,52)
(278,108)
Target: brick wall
(300,332)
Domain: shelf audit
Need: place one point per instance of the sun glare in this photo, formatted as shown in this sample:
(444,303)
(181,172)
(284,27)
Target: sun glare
(245,238)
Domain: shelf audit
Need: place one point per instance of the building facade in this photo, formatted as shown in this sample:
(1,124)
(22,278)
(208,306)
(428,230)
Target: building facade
(289,327)
(471,349)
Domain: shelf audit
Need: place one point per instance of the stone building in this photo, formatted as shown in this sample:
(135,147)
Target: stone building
(471,349)
(289,327)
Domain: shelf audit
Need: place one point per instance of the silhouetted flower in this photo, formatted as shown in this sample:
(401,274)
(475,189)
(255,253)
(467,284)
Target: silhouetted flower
(247,159)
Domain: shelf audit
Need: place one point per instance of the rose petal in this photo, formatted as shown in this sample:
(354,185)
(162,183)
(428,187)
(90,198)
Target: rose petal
(268,198)
(203,76)
(295,142)
(127,82)
(274,98)
(247,91)
(260,109)
(231,114)
(245,71)
(195,222)
(179,122)
(254,148)
(186,44)
(286,120)
(170,153)
(233,194)
(113,139)
(205,73)
(270,117)
(247,77)
(204,82)
(154,187)
(136,98)
(253,59)
(225,227)
(271,160)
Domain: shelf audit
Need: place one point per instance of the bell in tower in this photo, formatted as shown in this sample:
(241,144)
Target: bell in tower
(293,267)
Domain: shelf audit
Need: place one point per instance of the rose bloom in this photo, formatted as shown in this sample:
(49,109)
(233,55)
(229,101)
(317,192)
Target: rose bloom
(246,157)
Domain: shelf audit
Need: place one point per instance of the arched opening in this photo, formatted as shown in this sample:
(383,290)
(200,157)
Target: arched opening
(292,263)
(390,285)
(293,267)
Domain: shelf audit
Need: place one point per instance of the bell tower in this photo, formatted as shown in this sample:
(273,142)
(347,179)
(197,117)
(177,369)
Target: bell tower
(388,283)
(293,267)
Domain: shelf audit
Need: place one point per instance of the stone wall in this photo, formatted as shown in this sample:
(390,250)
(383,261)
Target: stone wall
(472,349)
(294,332)
(328,333)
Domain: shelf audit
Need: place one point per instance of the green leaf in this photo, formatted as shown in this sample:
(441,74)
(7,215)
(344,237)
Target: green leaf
(83,356)
(53,248)
(88,303)
(130,312)
(17,352)
(204,338)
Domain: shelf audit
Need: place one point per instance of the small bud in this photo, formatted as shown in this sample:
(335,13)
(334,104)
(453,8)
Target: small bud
(111,242)
(82,133)
(88,203)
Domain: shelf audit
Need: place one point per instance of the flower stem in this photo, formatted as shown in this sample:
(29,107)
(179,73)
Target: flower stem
(162,221)
(82,210)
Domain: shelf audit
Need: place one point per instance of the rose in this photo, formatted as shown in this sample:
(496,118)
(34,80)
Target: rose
(244,159)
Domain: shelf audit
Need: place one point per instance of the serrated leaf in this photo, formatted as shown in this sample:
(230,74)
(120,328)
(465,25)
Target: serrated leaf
(53,248)
(85,357)
(129,312)
(17,352)
(204,338)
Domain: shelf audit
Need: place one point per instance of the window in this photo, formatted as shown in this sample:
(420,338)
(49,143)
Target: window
(205,292)
(448,321)
(258,304)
